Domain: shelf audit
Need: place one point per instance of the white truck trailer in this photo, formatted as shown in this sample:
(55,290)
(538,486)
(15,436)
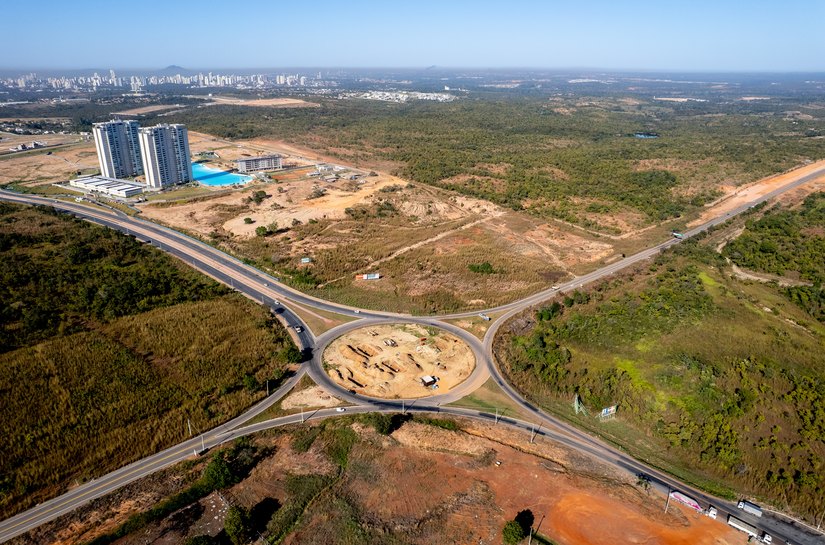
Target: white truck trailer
(749,529)
(749,507)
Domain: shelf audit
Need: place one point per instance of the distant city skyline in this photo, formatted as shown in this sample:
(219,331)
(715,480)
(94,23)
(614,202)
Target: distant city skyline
(698,36)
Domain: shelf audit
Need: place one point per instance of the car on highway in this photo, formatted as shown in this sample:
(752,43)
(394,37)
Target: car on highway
(356,311)
(556,287)
(276,302)
(298,329)
(484,317)
(340,409)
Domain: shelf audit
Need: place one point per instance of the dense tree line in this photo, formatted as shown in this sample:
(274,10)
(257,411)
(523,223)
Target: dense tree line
(57,273)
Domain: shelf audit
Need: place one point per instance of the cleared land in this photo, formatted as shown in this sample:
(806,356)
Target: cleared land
(37,167)
(149,109)
(421,239)
(736,197)
(262,102)
(428,481)
(390,361)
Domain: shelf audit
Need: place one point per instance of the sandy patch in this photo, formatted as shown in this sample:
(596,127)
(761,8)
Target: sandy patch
(149,109)
(263,102)
(389,361)
(310,397)
(738,196)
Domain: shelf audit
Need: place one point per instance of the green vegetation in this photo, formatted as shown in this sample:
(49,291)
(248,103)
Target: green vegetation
(512,533)
(788,242)
(301,489)
(237,525)
(258,196)
(481,268)
(570,158)
(94,367)
(226,468)
(714,379)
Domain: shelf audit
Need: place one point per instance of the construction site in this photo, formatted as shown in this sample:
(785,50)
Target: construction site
(399,361)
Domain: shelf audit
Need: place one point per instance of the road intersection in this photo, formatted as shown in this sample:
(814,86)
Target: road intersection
(267,290)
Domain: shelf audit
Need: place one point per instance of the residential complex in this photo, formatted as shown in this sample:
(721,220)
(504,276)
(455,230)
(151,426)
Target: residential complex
(117,148)
(261,162)
(165,150)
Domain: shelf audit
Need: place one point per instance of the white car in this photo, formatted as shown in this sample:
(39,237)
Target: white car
(340,410)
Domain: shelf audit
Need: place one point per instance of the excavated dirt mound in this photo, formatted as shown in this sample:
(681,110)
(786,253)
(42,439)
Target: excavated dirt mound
(397,361)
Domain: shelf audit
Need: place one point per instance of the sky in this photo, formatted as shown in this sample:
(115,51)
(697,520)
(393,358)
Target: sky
(676,35)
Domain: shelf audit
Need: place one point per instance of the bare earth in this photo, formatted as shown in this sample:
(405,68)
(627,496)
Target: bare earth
(149,109)
(389,360)
(310,398)
(425,485)
(270,102)
(42,168)
(738,196)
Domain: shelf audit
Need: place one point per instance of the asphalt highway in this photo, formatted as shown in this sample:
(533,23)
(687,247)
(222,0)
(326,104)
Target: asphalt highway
(267,290)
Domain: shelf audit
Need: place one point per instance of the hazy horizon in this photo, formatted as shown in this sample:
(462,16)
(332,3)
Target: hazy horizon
(639,36)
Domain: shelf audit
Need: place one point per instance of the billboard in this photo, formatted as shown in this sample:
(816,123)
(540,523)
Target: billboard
(609,411)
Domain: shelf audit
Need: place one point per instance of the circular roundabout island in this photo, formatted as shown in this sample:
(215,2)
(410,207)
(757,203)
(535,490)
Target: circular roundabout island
(398,361)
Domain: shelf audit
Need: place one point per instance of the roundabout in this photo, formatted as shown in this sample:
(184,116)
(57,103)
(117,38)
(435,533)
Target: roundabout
(378,394)
(398,361)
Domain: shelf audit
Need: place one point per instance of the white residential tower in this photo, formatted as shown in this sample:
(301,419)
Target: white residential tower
(118,150)
(165,150)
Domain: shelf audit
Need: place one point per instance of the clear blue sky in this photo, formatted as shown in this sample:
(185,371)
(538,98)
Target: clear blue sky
(697,35)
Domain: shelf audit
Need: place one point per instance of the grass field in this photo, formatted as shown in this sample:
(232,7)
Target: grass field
(109,348)
(716,380)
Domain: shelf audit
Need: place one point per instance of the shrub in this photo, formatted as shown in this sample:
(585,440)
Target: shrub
(512,533)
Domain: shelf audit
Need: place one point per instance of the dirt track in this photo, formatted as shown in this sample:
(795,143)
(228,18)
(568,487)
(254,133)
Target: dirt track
(755,190)
(389,361)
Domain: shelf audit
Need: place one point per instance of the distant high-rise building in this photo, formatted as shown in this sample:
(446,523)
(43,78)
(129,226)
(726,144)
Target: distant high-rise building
(165,150)
(118,151)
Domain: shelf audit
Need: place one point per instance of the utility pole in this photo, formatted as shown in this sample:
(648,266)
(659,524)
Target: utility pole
(668,499)
(203,445)
(530,539)
(496,415)
(189,424)
(535,431)
(267,387)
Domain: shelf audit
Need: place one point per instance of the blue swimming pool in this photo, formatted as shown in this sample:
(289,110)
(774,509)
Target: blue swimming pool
(212,176)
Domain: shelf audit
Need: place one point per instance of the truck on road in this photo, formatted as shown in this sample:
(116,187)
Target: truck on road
(677,234)
(749,529)
(749,507)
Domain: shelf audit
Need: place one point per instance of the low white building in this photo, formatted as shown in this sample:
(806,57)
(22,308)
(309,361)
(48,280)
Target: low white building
(108,186)
(261,162)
